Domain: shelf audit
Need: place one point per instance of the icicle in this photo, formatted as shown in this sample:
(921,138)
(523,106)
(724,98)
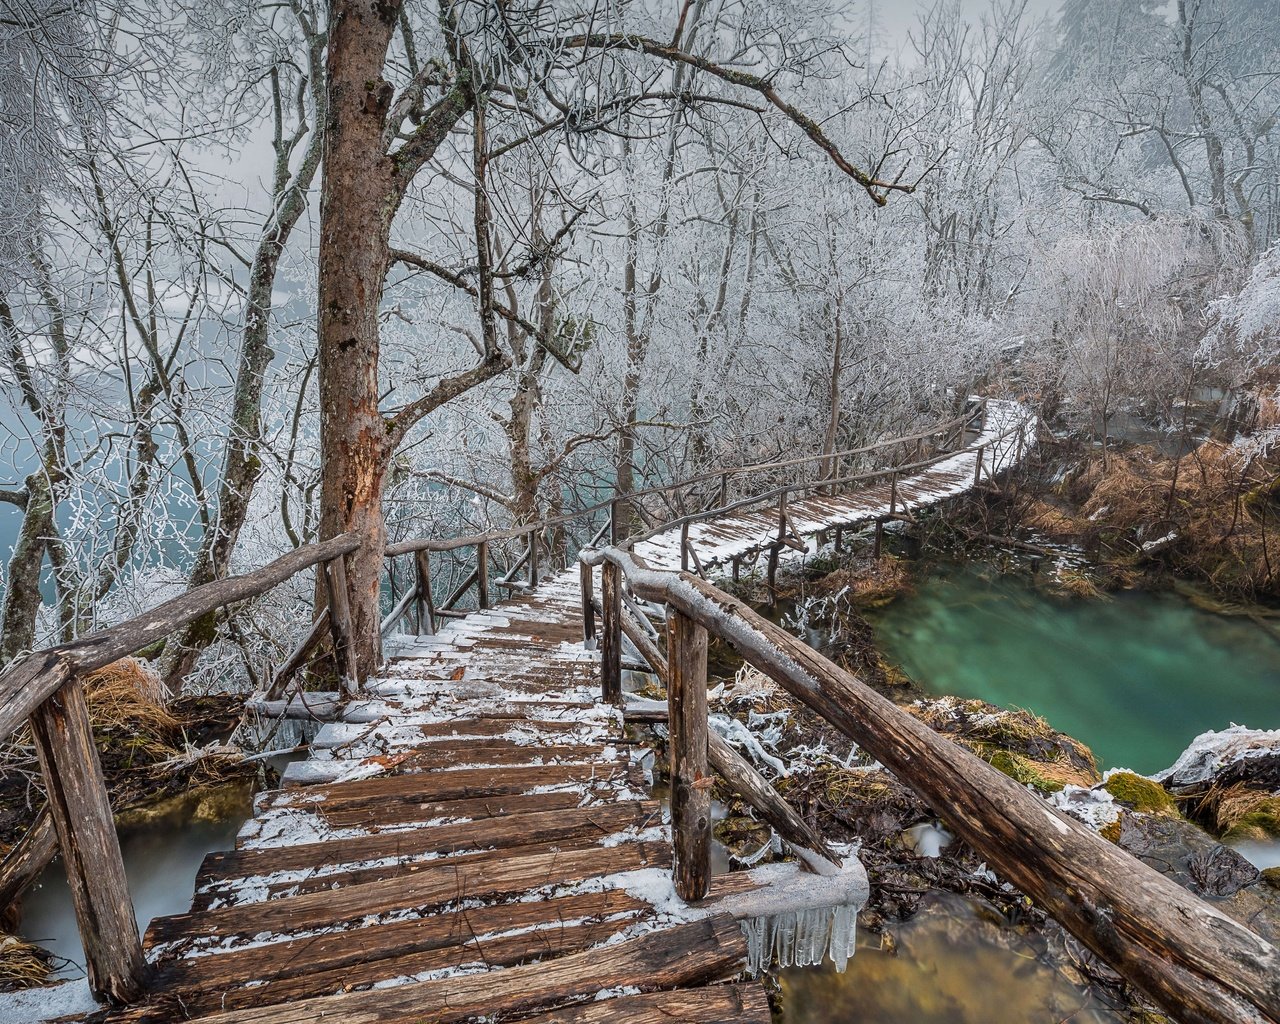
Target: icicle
(800,919)
(801,938)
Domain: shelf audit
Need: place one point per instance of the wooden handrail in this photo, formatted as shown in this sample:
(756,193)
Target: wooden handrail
(405,547)
(1189,957)
(46,689)
(26,684)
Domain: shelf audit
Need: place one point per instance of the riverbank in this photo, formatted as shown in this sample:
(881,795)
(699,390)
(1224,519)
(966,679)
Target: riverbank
(845,605)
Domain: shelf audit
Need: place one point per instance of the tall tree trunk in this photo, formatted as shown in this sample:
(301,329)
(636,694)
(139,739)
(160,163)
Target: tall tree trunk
(357,203)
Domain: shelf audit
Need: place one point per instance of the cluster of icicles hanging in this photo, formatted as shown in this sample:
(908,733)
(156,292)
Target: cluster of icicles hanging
(800,938)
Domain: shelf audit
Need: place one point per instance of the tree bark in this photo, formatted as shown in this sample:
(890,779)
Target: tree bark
(356,208)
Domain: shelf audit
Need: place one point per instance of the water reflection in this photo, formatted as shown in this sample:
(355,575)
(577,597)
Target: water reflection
(160,859)
(956,962)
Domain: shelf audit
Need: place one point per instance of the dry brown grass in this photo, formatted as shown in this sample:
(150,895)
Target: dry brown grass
(1217,500)
(22,965)
(867,586)
(128,695)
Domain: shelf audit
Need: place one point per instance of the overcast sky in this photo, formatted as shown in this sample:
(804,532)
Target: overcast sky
(897,17)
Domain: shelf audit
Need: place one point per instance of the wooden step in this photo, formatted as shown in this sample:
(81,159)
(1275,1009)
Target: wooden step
(498,935)
(689,954)
(432,884)
(712,1004)
(460,784)
(490,833)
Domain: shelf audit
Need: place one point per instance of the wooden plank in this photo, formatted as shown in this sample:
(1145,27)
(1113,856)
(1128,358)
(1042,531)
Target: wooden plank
(87,840)
(433,884)
(713,1004)
(336,961)
(491,833)
(377,814)
(689,954)
(462,784)
(229,889)
(690,777)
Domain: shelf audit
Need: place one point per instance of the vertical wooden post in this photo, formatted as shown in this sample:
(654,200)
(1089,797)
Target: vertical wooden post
(482,573)
(588,603)
(615,523)
(724,489)
(684,547)
(687,737)
(777,546)
(977,469)
(335,578)
(90,848)
(893,494)
(611,633)
(533,558)
(737,568)
(426,607)
(839,538)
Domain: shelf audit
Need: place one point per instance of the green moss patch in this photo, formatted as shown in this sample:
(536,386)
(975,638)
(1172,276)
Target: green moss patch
(1139,793)
(1023,770)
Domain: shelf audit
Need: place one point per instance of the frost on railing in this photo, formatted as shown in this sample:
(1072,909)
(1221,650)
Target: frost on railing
(796,919)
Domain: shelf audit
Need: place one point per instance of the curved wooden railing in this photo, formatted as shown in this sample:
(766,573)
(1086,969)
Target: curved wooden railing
(420,601)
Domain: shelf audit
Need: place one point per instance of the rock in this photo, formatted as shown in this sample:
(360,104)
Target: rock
(1186,854)
(1211,753)
(1220,871)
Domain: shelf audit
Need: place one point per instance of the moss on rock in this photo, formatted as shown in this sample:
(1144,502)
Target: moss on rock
(1023,770)
(1261,823)
(1140,793)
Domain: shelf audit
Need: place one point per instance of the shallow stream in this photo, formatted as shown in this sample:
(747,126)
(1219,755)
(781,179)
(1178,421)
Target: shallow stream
(1135,676)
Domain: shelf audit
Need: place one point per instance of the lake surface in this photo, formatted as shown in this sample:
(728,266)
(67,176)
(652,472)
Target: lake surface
(1135,676)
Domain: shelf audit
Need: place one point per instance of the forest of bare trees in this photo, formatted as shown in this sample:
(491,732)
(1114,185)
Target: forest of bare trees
(271,272)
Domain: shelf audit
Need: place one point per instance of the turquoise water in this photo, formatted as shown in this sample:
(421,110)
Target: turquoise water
(1135,677)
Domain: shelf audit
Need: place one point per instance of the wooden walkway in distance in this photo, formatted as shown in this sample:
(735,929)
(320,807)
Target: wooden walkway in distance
(476,837)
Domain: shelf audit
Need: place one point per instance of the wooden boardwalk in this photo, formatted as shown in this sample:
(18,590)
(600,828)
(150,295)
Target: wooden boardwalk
(476,837)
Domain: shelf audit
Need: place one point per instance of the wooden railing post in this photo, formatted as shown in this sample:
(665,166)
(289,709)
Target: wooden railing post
(482,573)
(615,524)
(776,548)
(687,737)
(977,469)
(533,558)
(724,489)
(893,494)
(684,547)
(611,633)
(335,578)
(426,608)
(90,848)
(588,602)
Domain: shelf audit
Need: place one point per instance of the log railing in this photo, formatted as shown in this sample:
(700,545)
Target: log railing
(1196,962)
(46,691)
(708,494)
